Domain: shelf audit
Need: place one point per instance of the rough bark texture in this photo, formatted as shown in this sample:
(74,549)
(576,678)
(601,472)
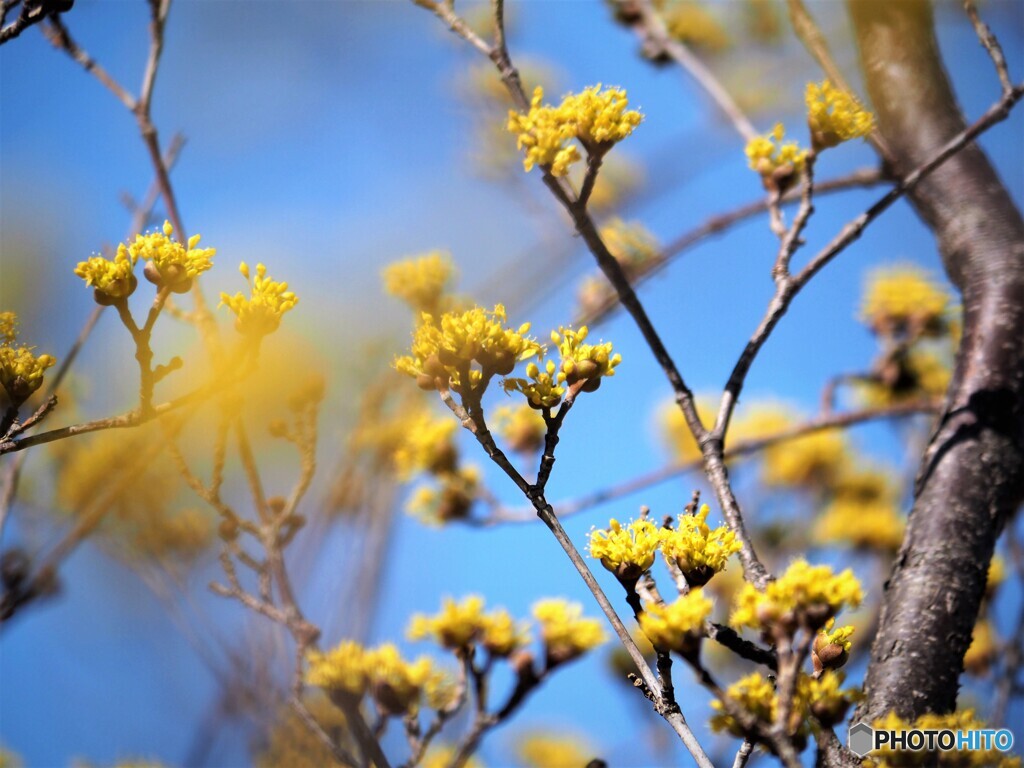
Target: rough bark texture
(970,480)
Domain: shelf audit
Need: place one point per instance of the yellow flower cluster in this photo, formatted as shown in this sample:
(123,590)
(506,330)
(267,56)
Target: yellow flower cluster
(399,686)
(552,750)
(8,327)
(425,445)
(677,626)
(442,756)
(805,595)
(821,698)
(834,116)
(566,634)
(691,23)
(597,118)
(863,513)
(627,552)
(917,374)
(698,550)
(290,741)
(443,353)
(112,281)
(168,262)
(983,650)
(963,720)
(776,160)
(582,366)
(584,362)
(521,427)
(459,626)
(261,313)
(905,301)
(421,282)
(451,499)
(21,371)
(811,461)
(676,432)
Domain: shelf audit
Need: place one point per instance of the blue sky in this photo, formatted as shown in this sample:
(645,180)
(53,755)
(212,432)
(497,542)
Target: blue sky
(327,140)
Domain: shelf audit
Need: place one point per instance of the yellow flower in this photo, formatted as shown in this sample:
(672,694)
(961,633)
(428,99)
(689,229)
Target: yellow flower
(698,550)
(913,375)
(8,328)
(451,499)
(983,649)
(753,694)
(553,750)
(262,312)
(521,427)
(774,159)
(442,756)
(112,280)
(905,301)
(677,626)
(398,685)
(805,594)
(627,552)
(863,513)
(457,626)
(827,701)
(632,245)
(442,354)
(421,282)
(343,669)
(596,118)
(290,742)
(691,23)
(812,461)
(676,432)
(426,444)
(168,262)
(584,362)
(543,389)
(834,116)
(502,635)
(21,371)
(566,634)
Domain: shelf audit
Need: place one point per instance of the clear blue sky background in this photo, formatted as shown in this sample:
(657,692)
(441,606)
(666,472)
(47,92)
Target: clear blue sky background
(327,139)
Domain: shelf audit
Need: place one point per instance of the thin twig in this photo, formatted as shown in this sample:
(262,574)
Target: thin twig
(991,44)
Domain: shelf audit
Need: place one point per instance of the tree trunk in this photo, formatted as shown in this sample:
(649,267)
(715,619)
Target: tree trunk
(970,479)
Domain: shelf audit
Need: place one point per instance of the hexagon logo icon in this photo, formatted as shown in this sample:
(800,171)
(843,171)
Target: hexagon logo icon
(861,739)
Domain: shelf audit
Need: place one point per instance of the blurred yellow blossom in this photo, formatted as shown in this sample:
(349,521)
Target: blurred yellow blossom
(343,669)
(753,694)
(916,374)
(112,280)
(596,118)
(632,245)
(399,685)
(553,750)
(521,427)
(696,549)
(566,634)
(8,327)
(807,595)
(457,626)
(443,352)
(443,755)
(450,499)
(863,512)
(813,460)
(261,313)
(983,649)
(692,23)
(420,281)
(168,262)
(905,300)
(676,432)
(677,626)
(291,743)
(627,552)
(425,444)
(834,116)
